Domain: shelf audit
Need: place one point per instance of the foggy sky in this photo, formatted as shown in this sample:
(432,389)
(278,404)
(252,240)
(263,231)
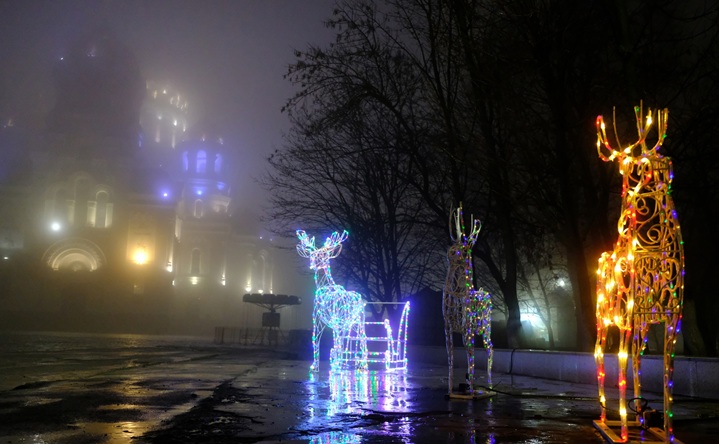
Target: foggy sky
(228,56)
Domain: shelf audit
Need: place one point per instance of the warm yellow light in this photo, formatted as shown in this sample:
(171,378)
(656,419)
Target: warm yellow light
(140,256)
(648,228)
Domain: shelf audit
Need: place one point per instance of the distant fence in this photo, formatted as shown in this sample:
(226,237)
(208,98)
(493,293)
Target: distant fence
(297,339)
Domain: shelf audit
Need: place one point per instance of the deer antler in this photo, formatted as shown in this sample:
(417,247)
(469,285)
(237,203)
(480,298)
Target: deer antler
(644,125)
(306,245)
(336,239)
(451,215)
(474,234)
(459,228)
(333,244)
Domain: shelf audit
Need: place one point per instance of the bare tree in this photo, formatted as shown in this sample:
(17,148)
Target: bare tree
(421,104)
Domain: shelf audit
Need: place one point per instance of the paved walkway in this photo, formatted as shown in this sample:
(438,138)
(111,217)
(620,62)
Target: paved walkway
(199,393)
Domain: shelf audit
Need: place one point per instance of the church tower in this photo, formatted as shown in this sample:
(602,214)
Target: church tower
(203,223)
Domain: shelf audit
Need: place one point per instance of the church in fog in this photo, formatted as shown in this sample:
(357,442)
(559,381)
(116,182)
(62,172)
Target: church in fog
(116,210)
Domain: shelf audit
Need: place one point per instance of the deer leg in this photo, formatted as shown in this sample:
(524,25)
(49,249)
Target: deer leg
(469,347)
(362,338)
(622,357)
(670,339)
(450,351)
(640,334)
(599,360)
(487,338)
(339,351)
(317,330)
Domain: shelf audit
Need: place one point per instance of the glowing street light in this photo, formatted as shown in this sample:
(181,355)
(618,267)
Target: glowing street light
(140,257)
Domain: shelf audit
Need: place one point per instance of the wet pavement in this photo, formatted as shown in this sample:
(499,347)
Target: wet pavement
(140,389)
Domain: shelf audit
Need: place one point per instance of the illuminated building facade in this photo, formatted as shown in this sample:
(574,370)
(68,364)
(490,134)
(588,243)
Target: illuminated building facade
(116,213)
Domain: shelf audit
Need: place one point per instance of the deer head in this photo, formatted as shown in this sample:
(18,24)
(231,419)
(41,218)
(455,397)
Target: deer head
(458,225)
(320,257)
(637,162)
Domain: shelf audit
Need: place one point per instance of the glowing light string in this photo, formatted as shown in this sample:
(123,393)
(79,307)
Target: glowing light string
(640,282)
(334,307)
(383,347)
(344,312)
(466,310)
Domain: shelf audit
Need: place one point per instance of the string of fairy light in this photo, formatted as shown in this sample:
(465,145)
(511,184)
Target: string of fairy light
(641,281)
(466,309)
(344,312)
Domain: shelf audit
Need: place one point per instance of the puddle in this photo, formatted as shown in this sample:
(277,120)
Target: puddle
(117,432)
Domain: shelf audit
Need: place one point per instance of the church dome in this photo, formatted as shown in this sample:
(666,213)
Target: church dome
(164,115)
(98,88)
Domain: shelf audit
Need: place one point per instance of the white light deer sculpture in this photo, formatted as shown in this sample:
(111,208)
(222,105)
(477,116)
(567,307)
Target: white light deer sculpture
(466,310)
(334,307)
(641,282)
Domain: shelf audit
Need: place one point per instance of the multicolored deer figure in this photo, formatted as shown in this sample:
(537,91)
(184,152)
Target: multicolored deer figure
(334,307)
(641,282)
(466,311)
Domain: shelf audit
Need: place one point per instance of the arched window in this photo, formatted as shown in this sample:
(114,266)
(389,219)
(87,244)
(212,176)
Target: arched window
(201,161)
(101,219)
(185,166)
(195,262)
(199,209)
(218,163)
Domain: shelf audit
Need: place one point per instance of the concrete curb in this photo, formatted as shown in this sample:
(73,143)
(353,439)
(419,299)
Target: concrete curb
(695,377)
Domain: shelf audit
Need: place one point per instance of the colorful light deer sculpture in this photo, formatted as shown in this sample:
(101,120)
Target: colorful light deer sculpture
(466,310)
(641,281)
(334,307)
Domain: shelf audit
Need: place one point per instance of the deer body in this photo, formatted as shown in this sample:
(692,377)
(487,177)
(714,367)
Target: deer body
(466,310)
(641,281)
(334,307)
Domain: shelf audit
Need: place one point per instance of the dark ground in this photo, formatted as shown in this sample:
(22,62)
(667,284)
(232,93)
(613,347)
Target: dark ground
(139,389)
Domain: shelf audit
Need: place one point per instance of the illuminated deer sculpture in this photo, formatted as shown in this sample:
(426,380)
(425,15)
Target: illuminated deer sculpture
(334,307)
(641,281)
(466,310)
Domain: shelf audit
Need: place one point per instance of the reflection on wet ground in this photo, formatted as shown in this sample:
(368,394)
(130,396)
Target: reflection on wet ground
(148,390)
